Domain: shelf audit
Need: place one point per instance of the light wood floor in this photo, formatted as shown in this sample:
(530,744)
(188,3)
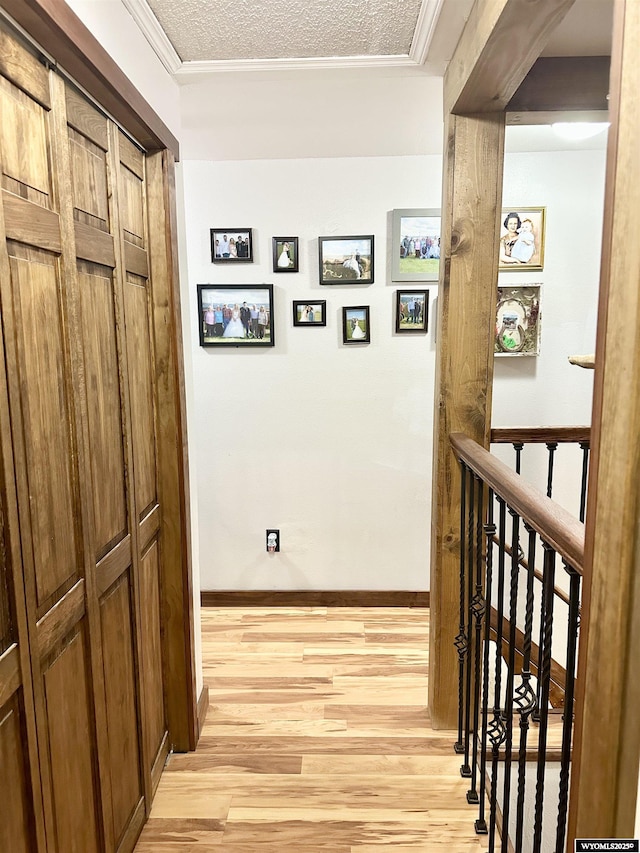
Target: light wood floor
(317,739)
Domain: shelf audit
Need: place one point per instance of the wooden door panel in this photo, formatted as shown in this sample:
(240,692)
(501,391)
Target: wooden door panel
(142,392)
(34,277)
(27,222)
(19,65)
(122,724)
(7,634)
(16,818)
(152,651)
(89,176)
(133,221)
(23,142)
(71,750)
(104,401)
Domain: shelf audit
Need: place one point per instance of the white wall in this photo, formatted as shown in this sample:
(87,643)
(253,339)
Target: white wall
(332,444)
(315,113)
(547,390)
(329,443)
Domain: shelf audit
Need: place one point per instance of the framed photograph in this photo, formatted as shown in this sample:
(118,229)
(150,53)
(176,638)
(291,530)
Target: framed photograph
(346,260)
(307,313)
(285,254)
(415,244)
(412,310)
(522,238)
(518,321)
(235,315)
(232,245)
(355,325)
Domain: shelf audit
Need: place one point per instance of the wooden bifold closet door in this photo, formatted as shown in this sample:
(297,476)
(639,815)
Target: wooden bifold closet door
(83,733)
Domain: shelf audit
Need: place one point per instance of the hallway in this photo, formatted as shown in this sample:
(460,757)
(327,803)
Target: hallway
(317,738)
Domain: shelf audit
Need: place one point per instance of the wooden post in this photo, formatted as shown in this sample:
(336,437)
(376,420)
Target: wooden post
(607,739)
(173,478)
(472,200)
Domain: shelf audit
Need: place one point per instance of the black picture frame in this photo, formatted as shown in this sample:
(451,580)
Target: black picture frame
(346,260)
(235,254)
(412,318)
(247,331)
(318,309)
(352,317)
(283,248)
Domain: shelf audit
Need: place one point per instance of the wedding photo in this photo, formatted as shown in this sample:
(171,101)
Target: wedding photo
(355,325)
(231,244)
(285,254)
(346,260)
(235,315)
(309,313)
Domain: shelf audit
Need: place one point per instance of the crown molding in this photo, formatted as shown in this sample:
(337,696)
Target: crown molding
(142,14)
(188,69)
(150,27)
(425,29)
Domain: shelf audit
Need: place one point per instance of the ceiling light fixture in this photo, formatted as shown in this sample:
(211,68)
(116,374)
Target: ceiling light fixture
(578,130)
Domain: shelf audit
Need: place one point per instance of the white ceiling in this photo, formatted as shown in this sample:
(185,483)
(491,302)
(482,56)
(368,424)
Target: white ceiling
(196,36)
(283,29)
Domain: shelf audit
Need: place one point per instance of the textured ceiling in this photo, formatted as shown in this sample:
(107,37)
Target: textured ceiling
(278,29)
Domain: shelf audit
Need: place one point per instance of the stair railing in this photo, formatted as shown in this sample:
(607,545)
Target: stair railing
(509,528)
(520,437)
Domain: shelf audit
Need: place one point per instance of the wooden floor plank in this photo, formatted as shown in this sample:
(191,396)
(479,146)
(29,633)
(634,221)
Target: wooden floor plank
(317,738)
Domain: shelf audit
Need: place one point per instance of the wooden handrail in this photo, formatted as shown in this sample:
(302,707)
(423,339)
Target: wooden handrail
(541,435)
(555,525)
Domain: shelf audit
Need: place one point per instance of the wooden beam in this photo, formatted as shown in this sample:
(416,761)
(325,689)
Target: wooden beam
(59,31)
(558,83)
(472,199)
(607,737)
(499,44)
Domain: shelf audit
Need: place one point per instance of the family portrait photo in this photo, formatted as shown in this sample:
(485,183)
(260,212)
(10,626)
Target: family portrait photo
(231,244)
(235,315)
(522,238)
(416,245)
(412,310)
(355,325)
(309,313)
(518,321)
(346,260)
(285,254)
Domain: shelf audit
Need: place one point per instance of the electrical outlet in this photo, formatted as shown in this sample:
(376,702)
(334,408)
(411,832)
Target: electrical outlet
(273,540)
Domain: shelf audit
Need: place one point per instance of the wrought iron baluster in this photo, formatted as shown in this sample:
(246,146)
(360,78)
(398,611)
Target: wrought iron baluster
(544,677)
(567,727)
(525,698)
(517,446)
(584,445)
(478,608)
(490,532)
(511,664)
(461,639)
(552,446)
(496,729)
(535,716)
(465,770)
